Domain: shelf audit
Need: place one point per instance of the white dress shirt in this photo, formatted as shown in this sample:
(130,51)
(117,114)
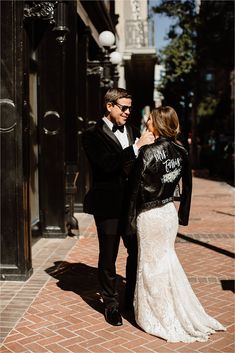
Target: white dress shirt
(121,136)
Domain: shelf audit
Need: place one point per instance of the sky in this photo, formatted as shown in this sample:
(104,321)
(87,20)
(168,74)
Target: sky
(162,24)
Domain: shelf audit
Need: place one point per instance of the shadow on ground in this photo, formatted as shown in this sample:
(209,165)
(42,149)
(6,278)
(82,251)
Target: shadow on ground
(206,245)
(83,280)
(228,284)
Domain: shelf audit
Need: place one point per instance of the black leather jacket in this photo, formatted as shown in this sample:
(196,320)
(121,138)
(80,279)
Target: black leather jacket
(157,172)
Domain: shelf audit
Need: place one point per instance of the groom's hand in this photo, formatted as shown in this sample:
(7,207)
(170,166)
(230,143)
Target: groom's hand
(145,139)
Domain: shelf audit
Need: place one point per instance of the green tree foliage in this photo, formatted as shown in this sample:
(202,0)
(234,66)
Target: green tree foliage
(199,60)
(199,43)
(178,57)
(207,106)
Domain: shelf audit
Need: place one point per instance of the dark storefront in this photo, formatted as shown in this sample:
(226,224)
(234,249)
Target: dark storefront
(47,98)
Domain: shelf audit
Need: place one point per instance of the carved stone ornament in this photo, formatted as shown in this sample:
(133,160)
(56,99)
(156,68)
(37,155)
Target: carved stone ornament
(40,10)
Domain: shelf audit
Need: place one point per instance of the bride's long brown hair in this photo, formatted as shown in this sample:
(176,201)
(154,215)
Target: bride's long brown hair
(165,121)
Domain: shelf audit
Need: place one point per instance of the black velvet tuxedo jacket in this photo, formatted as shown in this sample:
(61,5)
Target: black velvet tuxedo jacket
(110,166)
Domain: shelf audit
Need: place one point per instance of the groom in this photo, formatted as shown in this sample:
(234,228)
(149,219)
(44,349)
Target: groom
(111,147)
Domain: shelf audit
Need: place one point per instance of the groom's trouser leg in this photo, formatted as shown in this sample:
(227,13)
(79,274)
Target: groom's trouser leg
(109,240)
(131,269)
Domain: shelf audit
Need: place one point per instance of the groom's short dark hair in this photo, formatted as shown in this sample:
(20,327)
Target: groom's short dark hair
(113,94)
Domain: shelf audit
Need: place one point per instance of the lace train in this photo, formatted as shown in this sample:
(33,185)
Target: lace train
(165,304)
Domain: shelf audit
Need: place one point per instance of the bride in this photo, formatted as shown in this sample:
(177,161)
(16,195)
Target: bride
(164,303)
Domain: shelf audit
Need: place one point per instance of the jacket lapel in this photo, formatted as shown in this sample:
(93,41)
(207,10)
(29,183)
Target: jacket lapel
(108,133)
(130,134)
(106,130)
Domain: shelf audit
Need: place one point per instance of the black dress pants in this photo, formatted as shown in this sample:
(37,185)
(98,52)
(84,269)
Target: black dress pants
(131,269)
(109,239)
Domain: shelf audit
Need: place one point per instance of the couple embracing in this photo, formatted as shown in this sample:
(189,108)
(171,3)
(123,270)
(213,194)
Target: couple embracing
(133,182)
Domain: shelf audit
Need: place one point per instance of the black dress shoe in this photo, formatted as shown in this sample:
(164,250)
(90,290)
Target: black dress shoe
(113,317)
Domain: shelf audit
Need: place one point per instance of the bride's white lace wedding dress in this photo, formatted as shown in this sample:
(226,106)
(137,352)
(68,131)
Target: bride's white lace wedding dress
(165,304)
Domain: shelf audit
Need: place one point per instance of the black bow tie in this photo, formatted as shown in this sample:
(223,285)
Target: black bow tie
(118,127)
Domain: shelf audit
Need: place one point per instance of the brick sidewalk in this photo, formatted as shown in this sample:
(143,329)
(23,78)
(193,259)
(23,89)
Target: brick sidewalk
(58,308)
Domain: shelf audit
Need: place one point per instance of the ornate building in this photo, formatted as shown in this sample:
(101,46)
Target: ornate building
(136,42)
(54,73)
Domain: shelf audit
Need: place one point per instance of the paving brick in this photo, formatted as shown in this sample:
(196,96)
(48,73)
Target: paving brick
(229,349)
(92,342)
(29,339)
(26,331)
(71,341)
(135,343)
(5,350)
(121,349)
(14,337)
(56,348)
(80,325)
(64,332)
(36,348)
(99,349)
(78,349)
(16,347)
(142,349)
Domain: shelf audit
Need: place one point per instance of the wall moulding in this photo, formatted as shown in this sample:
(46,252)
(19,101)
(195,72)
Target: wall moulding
(40,10)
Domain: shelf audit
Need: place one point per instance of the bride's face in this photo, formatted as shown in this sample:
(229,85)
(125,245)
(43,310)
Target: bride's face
(149,124)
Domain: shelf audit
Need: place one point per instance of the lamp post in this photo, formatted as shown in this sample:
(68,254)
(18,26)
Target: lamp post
(115,59)
(61,18)
(107,40)
(103,67)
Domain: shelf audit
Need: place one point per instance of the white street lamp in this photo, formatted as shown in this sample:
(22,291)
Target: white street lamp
(103,66)
(115,58)
(106,39)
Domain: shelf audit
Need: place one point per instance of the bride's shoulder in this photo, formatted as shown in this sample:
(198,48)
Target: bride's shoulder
(148,151)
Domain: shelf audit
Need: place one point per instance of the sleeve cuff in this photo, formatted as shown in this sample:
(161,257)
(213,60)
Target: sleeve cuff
(136,150)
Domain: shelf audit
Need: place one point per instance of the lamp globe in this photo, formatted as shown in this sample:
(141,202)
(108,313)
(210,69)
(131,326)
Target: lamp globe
(115,58)
(106,39)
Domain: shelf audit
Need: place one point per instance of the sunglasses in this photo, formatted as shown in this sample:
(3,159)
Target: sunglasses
(123,108)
